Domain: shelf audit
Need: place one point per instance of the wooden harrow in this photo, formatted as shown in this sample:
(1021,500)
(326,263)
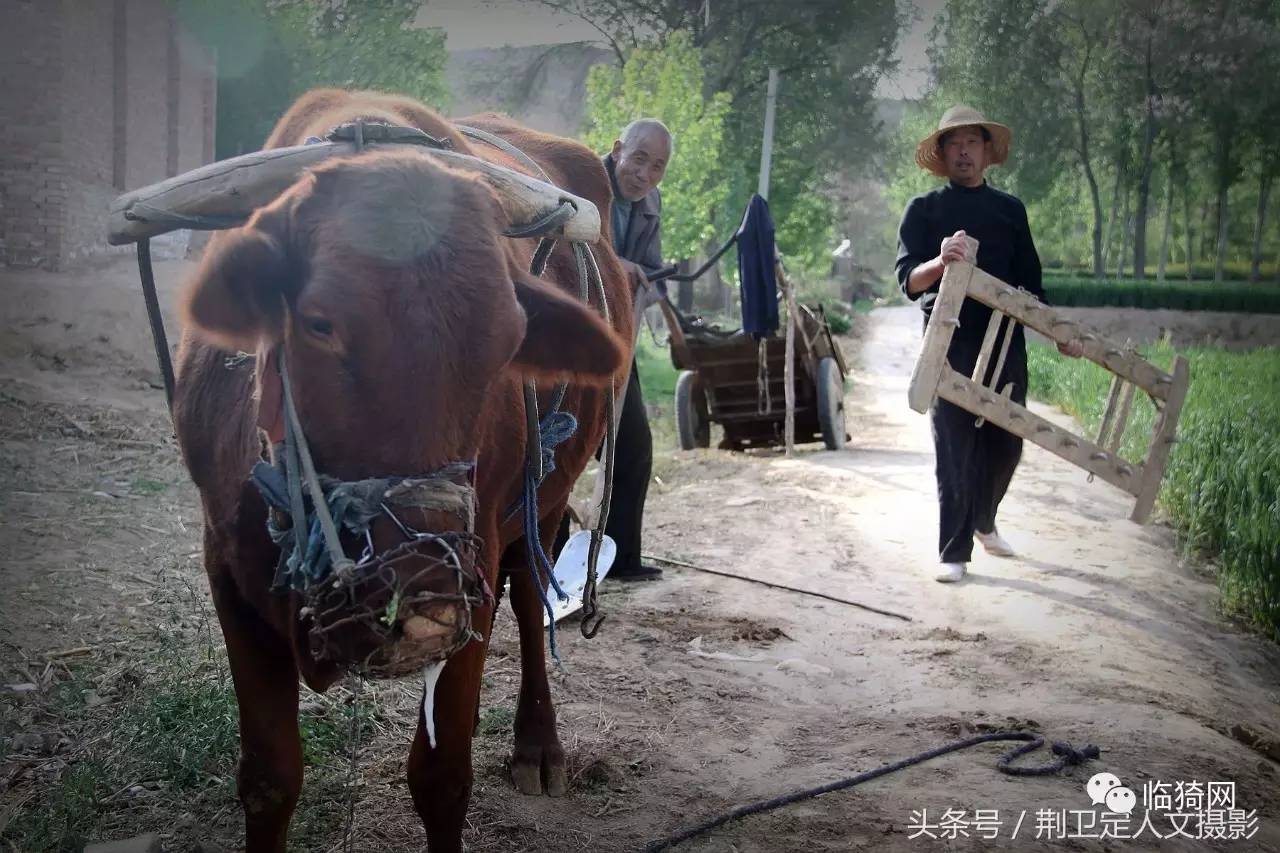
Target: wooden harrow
(933,377)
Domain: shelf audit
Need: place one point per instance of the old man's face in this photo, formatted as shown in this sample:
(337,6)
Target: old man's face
(966,155)
(640,164)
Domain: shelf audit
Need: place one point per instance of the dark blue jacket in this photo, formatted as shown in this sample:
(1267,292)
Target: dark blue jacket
(758,281)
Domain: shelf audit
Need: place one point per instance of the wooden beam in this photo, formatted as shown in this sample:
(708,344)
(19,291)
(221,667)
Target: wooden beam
(1021,421)
(789,365)
(937,336)
(1110,411)
(1122,418)
(1031,312)
(230,190)
(1162,441)
(988,345)
(1004,350)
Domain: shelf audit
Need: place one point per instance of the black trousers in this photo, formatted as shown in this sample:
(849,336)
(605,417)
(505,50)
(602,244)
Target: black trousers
(974,465)
(632,470)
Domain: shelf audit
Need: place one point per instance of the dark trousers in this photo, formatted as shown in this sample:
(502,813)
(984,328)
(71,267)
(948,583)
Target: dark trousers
(632,469)
(974,467)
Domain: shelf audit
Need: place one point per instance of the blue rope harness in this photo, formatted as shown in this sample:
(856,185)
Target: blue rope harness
(554,429)
(305,562)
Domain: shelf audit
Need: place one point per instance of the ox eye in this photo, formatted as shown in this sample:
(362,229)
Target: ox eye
(319,326)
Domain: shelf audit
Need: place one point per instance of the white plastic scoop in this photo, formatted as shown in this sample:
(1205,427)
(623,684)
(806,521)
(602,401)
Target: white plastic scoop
(571,571)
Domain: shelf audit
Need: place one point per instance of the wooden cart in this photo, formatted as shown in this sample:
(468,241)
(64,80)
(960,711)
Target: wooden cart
(723,381)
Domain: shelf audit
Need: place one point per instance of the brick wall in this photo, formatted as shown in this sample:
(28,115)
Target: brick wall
(146,101)
(95,99)
(87,118)
(196,81)
(31,71)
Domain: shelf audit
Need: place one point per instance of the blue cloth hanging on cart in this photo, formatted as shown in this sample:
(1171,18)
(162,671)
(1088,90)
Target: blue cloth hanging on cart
(758,281)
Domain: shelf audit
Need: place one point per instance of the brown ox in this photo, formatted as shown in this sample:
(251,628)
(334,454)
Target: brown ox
(408,323)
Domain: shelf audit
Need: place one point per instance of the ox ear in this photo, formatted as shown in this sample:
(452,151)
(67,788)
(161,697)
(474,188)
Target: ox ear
(564,339)
(237,296)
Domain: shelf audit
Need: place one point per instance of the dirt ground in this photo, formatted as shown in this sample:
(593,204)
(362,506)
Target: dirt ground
(701,693)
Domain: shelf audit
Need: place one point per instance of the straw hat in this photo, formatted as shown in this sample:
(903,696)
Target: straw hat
(929,157)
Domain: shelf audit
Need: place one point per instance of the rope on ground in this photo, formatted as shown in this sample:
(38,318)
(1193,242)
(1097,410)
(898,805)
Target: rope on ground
(353,766)
(1067,756)
(682,564)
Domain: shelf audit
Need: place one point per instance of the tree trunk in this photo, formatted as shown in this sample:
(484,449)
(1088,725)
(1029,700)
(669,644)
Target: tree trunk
(1220,261)
(1167,227)
(1264,193)
(1202,245)
(1186,220)
(1096,231)
(1115,209)
(684,296)
(1099,270)
(1144,181)
(1223,170)
(714,297)
(1126,223)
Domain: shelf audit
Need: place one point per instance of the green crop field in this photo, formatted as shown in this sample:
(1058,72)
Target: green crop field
(1082,292)
(1222,485)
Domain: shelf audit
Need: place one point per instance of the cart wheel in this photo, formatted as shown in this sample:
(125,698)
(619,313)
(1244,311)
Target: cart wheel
(831,403)
(693,423)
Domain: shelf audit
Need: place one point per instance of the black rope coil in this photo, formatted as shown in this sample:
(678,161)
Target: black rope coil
(1067,756)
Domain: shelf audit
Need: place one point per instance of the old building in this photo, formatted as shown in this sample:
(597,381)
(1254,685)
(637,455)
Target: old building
(95,98)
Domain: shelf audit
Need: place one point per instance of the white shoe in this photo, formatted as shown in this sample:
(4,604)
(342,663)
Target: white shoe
(994,544)
(950,572)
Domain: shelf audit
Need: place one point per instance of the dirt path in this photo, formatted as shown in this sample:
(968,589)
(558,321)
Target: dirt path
(701,693)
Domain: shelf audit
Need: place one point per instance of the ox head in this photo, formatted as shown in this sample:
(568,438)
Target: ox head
(406,322)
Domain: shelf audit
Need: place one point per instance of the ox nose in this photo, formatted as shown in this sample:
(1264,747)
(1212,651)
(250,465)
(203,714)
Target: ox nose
(431,624)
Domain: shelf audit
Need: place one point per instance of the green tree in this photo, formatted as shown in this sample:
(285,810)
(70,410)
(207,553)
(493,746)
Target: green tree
(666,82)
(1136,91)
(993,60)
(830,54)
(1039,67)
(272,51)
(1222,89)
(1238,48)
(365,44)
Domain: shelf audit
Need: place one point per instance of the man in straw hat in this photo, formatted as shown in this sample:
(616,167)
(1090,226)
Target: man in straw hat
(974,465)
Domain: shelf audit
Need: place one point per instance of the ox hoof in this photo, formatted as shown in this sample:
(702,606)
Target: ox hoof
(538,771)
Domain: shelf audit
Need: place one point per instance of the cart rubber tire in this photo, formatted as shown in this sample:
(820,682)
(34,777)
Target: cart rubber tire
(831,403)
(693,422)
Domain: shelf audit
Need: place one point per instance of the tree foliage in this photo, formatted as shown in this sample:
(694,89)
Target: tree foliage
(271,51)
(667,82)
(829,53)
(1132,119)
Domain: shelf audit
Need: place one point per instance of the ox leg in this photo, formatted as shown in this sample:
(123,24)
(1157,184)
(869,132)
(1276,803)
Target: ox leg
(440,777)
(266,683)
(537,762)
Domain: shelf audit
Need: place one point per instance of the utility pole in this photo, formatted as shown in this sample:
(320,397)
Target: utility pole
(788,293)
(766,149)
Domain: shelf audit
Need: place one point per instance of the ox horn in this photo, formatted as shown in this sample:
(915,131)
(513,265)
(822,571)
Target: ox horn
(224,194)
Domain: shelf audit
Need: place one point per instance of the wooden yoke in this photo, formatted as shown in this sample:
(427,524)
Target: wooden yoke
(933,377)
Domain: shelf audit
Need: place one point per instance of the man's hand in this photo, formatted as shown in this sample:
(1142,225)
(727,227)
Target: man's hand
(927,274)
(954,248)
(636,274)
(631,268)
(1071,349)
(644,293)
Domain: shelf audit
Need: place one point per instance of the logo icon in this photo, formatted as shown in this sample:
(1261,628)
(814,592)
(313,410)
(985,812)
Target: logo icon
(1104,789)
(1098,786)
(1121,800)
